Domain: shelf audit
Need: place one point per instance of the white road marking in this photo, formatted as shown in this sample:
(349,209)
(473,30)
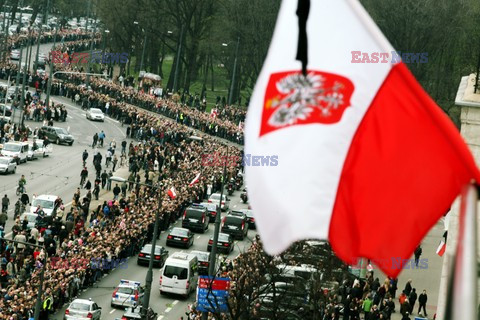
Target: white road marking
(168,310)
(198,237)
(160,318)
(174,302)
(113,310)
(70,117)
(235,206)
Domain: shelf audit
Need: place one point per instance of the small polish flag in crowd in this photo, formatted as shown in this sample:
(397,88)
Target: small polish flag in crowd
(195,180)
(172,193)
(357,137)
(441,248)
(214,113)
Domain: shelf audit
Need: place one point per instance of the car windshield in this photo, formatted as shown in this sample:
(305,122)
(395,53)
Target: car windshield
(45,204)
(61,131)
(215,197)
(201,256)
(236,220)
(12,147)
(222,237)
(30,218)
(193,213)
(125,290)
(171,271)
(179,232)
(148,248)
(79,306)
(4,161)
(210,206)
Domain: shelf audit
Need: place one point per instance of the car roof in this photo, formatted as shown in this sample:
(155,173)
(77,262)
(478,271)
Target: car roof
(221,235)
(129,283)
(95,109)
(84,301)
(48,197)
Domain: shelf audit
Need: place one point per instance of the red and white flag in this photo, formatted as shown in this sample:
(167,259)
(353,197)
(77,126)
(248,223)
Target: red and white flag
(172,193)
(441,248)
(213,113)
(365,156)
(195,180)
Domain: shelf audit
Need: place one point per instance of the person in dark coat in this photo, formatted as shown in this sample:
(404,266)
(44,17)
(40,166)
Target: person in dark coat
(422,301)
(412,298)
(408,287)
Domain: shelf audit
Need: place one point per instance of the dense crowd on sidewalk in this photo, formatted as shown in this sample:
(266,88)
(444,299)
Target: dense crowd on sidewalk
(113,230)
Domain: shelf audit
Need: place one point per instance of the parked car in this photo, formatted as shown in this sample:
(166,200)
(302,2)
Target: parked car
(7,165)
(31,218)
(235,223)
(81,309)
(16,150)
(203,261)
(224,243)
(56,134)
(160,255)
(36,149)
(195,217)
(95,114)
(215,198)
(211,209)
(180,237)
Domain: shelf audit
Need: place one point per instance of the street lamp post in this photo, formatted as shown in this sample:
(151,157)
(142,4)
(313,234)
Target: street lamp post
(91,49)
(50,76)
(177,64)
(149,277)
(218,218)
(143,51)
(232,86)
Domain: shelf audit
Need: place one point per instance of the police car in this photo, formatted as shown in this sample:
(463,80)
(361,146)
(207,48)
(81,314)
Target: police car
(127,293)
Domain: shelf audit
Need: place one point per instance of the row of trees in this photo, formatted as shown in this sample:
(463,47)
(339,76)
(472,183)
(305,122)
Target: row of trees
(446,30)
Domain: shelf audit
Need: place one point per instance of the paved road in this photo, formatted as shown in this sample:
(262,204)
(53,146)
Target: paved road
(59,174)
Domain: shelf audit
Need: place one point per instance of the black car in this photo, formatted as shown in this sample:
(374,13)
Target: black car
(195,217)
(56,134)
(235,224)
(224,243)
(203,261)
(136,313)
(160,255)
(250,218)
(212,210)
(180,237)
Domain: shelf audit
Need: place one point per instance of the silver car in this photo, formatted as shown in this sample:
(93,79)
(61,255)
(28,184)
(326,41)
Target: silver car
(7,165)
(215,198)
(95,114)
(81,309)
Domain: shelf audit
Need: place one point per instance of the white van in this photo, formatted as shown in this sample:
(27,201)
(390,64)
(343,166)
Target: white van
(16,150)
(178,274)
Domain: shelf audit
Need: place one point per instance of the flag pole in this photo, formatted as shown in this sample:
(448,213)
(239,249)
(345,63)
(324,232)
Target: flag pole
(462,287)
